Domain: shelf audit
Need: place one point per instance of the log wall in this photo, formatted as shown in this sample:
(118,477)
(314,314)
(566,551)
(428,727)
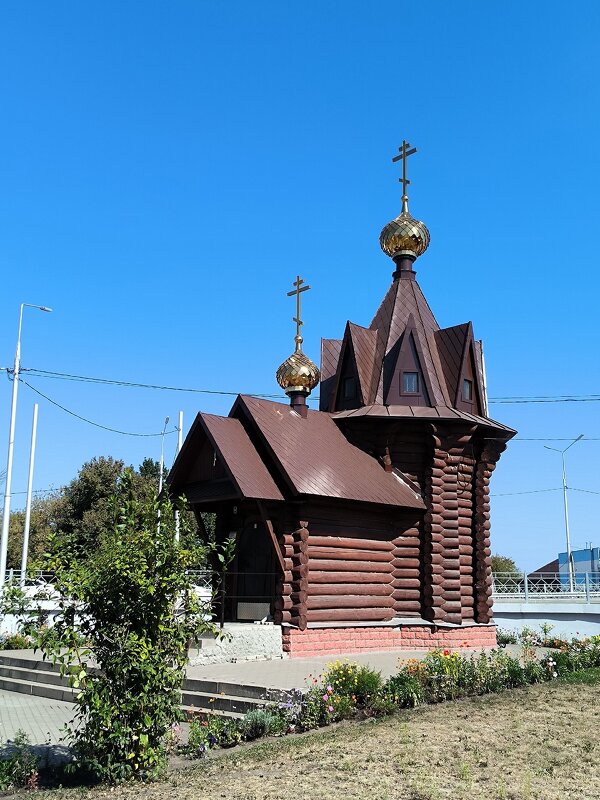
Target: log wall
(483,554)
(291,589)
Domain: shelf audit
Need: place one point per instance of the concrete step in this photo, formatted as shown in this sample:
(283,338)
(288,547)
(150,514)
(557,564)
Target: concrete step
(203,701)
(50,691)
(42,679)
(36,663)
(33,676)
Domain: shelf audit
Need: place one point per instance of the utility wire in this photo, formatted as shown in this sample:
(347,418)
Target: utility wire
(113,382)
(517,399)
(89,421)
(530,491)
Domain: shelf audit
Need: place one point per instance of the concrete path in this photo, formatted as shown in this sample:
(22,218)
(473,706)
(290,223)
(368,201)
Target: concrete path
(288,673)
(43,719)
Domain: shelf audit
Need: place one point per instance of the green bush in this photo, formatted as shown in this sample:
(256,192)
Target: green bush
(405,689)
(349,679)
(19,767)
(132,604)
(15,641)
(504,637)
(255,724)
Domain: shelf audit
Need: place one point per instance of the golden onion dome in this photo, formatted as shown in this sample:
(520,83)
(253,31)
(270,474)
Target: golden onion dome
(404,235)
(298,373)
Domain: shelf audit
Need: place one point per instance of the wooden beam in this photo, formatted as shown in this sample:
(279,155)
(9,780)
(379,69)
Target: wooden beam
(269,526)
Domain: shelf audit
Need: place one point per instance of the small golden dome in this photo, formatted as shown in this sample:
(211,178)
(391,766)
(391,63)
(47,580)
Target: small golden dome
(404,235)
(298,373)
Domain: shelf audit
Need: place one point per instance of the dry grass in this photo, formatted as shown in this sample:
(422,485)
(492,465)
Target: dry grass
(539,743)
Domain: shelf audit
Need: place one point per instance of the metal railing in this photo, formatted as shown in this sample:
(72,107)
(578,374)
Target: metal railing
(551,586)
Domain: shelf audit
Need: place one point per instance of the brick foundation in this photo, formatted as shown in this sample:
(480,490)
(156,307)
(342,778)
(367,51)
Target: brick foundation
(337,641)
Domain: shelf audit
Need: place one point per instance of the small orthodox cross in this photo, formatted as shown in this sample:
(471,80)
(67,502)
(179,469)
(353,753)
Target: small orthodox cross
(405,152)
(298,291)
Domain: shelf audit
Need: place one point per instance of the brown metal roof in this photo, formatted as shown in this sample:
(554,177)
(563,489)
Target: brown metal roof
(403,299)
(236,452)
(451,345)
(423,412)
(316,458)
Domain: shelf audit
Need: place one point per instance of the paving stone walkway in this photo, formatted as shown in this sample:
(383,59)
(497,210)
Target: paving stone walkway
(42,719)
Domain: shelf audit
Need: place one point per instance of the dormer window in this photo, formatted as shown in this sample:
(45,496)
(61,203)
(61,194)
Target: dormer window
(410,383)
(349,388)
(467,391)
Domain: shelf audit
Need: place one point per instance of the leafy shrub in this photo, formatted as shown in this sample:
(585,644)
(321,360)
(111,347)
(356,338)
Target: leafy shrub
(504,637)
(20,767)
(15,641)
(349,679)
(259,722)
(132,603)
(405,689)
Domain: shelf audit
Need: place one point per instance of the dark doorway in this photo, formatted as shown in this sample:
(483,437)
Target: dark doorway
(255,573)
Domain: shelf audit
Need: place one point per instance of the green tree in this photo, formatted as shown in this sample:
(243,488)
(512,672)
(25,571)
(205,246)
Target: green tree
(132,604)
(42,525)
(504,564)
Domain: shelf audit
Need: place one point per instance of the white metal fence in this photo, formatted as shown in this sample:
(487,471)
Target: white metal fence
(550,586)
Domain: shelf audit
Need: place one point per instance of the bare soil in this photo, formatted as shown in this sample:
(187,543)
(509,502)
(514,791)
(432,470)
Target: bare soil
(538,743)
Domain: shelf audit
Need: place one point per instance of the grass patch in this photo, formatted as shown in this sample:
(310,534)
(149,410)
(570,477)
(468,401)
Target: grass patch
(534,743)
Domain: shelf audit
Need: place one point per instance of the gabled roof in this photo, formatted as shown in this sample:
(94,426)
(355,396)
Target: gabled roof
(451,345)
(236,453)
(403,299)
(444,355)
(315,458)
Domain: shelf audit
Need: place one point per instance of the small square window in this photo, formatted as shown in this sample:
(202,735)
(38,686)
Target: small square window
(467,390)
(410,383)
(349,388)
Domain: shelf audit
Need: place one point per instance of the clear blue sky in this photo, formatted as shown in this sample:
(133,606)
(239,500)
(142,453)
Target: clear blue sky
(166,169)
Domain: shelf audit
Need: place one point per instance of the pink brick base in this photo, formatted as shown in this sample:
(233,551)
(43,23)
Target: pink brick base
(337,641)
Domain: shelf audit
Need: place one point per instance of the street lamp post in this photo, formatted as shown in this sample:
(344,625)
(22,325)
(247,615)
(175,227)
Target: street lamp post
(11,442)
(566,506)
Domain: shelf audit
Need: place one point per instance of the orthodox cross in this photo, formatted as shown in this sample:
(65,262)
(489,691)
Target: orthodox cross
(405,152)
(298,289)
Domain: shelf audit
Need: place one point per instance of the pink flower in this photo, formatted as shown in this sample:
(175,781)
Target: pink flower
(329,708)
(330,690)
(325,697)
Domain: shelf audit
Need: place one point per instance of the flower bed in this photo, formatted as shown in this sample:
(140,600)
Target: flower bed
(347,690)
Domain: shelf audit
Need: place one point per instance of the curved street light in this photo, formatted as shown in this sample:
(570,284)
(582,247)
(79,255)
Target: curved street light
(567,533)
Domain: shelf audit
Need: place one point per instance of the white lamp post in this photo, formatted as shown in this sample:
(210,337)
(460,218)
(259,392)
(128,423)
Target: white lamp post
(11,442)
(566,506)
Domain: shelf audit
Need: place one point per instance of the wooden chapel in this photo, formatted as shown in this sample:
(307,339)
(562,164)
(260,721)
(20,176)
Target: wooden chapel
(364,525)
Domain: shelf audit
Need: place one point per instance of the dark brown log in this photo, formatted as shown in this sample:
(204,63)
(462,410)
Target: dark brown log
(317,576)
(321,589)
(351,615)
(407,594)
(408,574)
(407,607)
(348,555)
(347,566)
(348,601)
(346,542)
(406,583)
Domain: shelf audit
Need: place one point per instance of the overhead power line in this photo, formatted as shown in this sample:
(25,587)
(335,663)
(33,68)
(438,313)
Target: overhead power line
(89,421)
(42,373)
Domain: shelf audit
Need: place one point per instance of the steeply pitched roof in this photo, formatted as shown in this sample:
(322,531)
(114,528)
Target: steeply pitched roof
(236,452)
(403,299)
(444,357)
(316,459)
